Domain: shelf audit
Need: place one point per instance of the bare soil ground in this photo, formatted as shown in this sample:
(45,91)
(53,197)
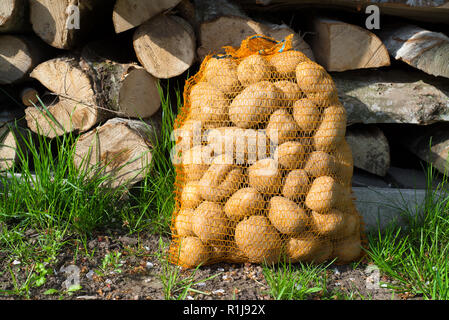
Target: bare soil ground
(136,275)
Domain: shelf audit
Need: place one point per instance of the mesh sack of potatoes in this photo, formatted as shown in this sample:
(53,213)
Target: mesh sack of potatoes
(263,168)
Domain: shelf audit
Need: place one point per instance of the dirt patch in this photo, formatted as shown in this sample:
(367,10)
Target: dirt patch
(120,266)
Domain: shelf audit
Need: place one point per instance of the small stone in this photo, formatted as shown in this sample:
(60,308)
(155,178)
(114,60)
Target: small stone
(16,262)
(108,281)
(189,298)
(149,265)
(90,274)
(220,270)
(218,292)
(201,284)
(86,297)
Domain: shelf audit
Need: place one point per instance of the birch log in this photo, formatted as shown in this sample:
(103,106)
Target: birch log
(423,49)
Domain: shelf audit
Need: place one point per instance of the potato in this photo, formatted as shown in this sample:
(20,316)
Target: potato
(316,83)
(191,252)
(190,195)
(253,106)
(208,105)
(258,240)
(183,222)
(254,68)
(320,164)
(195,162)
(285,63)
(308,248)
(333,224)
(344,163)
(244,145)
(332,129)
(348,249)
(281,127)
(220,180)
(326,194)
(265,176)
(210,223)
(290,92)
(188,135)
(287,217)
(290,155)
(245,202)
(221,72)
(307,115)
(296,185)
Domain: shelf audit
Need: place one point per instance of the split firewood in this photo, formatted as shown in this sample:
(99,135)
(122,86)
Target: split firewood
(120,149)
(129,14)
(423,49)
(19,55)
(340,46)
(225,24)
(13,16)
(64,24)
(165,46)
(91,89)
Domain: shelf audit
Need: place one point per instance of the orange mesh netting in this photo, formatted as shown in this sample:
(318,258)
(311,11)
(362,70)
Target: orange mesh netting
(263,168)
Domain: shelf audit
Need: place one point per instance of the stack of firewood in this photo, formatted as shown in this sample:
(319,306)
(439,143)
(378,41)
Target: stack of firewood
(95,66)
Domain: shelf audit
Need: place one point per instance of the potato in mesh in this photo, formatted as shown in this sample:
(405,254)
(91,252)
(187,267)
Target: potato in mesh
(291,154)
(348,249)
(290,92)
(195,162)
(190,195)
(244,203)
(282,127)
(254,105)
(285,63)
(308,248)
(287,217)
(210,223)
(208,105)
(344,162)
(253,69)
(320,164)
(183,222)
(191,252)
(316,83)
(296,184)
(265,176)
(258,240)
(332,128)
(325,194)
(221,179)
(307,115)
(221,72)
(244,145)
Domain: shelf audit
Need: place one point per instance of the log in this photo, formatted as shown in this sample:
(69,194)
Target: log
(13,16)
(435,11)
(423,49)
(57,24)
(90,90)
(165,46)
(392,95)
(19,55)
(340,46)
(29,96)
(120,149)
(370,148)
(129,14)
(225,24)
(430,144)
(12,145)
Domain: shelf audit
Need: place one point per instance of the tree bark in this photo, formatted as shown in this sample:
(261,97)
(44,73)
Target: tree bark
(165,45)
(12,145)
(340,46)
(423,49)
(120,149)
(129,14)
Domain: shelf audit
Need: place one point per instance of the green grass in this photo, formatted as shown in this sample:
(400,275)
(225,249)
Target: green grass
(416,256)
(61,205)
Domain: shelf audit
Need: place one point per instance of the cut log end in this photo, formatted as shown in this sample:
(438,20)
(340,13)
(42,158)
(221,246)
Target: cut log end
(120,149)
(129,14)
(165,46)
